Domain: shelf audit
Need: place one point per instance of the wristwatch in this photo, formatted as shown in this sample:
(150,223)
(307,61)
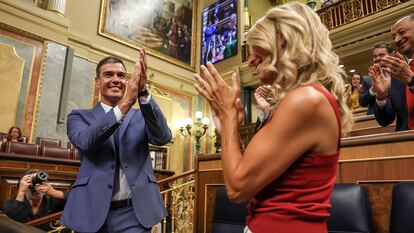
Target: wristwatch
(143,93)
(411,83)
(372,92)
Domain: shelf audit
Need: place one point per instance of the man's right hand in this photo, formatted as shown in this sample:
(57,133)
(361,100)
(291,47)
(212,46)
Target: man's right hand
(381,82)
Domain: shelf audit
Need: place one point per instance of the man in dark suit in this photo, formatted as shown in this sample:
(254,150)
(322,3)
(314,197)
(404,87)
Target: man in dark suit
(116,190)
(264,96)
(367,96)
(394,97)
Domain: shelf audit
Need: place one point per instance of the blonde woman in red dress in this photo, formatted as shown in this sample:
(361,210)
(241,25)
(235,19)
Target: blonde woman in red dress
(288,169)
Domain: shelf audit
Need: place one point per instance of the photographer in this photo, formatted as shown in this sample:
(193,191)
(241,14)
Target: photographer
(35,198)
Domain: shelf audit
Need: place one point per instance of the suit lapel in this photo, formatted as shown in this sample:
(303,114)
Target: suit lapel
(124,124)
(99,111)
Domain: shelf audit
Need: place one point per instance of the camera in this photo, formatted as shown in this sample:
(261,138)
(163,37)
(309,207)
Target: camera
(39,178)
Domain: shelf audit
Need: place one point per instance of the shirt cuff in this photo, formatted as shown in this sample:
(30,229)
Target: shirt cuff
(381,103)
(372,92)
(146,101)
(118,114)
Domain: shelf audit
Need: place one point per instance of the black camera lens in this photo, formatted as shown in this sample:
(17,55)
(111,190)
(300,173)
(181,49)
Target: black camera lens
(39,178)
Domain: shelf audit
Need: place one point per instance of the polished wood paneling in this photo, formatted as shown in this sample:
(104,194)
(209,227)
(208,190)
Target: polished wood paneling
(209,203)
(360,112)
(206,182)
(377,150)
(367,121)
(379,145)
(371,130)
(377,170)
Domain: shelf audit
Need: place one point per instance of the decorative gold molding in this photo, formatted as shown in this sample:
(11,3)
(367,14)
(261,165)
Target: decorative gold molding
(21,32)
(182,206)
(41,16)
(347,11)
(38,94)
(29,84)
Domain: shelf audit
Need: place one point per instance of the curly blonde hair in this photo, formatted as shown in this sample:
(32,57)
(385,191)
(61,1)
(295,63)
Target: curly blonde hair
(306,55)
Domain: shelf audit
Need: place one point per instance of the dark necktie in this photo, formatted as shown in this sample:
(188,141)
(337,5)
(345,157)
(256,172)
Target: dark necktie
(117,163)
(410,102)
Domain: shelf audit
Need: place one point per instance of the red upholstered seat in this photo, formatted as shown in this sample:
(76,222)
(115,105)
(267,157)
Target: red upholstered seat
(48,142)
(2,136)
(74,151)
(56,152)
(22,148)
(75,154)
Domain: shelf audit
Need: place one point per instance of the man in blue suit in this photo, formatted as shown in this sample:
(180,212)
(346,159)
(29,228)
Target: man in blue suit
(116,190)
(395,96)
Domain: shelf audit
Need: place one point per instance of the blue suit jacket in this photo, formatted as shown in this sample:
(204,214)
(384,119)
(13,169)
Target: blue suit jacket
(91,132)
(365,98)
(396,107)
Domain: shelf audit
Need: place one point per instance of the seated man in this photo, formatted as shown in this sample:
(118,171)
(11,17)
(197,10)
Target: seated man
(264,96)
(393,79)
(36,201)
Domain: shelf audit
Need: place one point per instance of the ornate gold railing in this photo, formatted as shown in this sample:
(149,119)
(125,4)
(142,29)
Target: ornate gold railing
(178,194)
(53,220)
(347,11)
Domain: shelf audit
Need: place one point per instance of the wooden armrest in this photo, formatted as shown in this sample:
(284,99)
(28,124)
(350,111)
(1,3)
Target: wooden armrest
(44,219)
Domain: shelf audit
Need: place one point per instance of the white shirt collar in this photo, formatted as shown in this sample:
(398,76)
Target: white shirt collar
(106,107)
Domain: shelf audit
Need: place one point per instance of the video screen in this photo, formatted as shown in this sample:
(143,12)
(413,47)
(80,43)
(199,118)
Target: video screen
(219,35)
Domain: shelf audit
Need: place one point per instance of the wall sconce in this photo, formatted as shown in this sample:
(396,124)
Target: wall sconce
(196,129)
(247,19)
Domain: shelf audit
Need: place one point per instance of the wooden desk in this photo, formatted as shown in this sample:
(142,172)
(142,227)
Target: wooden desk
(62,172)
(360,112)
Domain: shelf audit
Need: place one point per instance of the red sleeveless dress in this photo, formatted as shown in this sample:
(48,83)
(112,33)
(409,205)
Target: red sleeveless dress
(298,200)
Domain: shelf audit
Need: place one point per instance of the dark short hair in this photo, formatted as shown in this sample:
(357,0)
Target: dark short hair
(357,73)
(109,59)
(384,45)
